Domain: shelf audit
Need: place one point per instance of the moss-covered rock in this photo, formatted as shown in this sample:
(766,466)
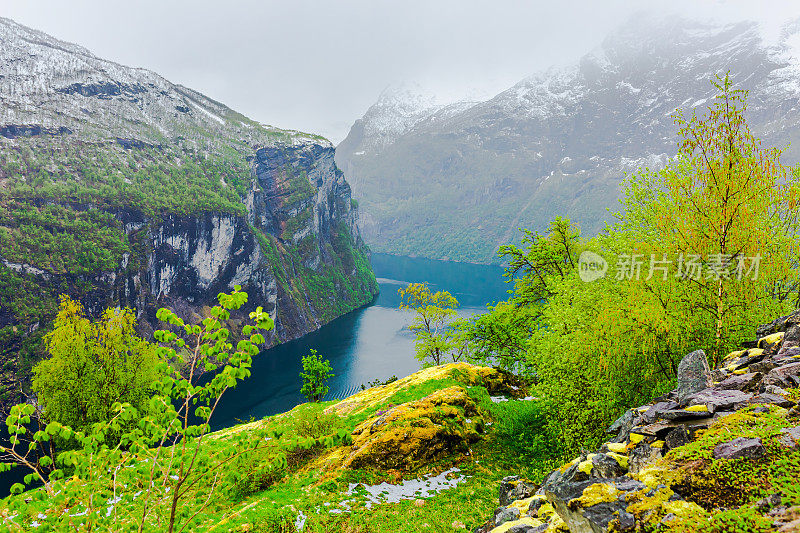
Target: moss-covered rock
(417,433)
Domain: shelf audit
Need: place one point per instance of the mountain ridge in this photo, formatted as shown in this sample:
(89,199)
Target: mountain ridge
(120,188)
(562,140)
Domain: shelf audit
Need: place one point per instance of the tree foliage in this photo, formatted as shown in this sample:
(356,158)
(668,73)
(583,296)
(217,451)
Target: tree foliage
(681,275)
(92,366)
(438,330)
(315,375)
(161,470)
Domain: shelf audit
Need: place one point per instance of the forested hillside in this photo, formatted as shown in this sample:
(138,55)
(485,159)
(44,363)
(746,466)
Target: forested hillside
(119,188)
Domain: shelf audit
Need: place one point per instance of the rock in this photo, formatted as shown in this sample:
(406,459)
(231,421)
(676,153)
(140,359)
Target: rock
(676,437)
(642,456)
(774,389)
(787,376)
(419,502)
(590,506)
(693,374)
(606,466)
(513,488)
(416,433)
(790,437)
(773,399)
(622,425)
(655,411)
(458,525)
(789,351)
(742,382)
(683,414)
(777,325)
(762,367)
(525,528)
(769,502)
(625,521)
(750,448)
(720,400)
(506,514)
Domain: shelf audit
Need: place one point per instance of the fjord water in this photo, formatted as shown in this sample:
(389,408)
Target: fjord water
(373,342)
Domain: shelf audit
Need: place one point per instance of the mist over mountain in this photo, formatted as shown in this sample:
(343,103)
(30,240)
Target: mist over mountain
(456,180)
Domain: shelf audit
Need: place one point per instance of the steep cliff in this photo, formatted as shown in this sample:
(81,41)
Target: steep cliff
(118,187)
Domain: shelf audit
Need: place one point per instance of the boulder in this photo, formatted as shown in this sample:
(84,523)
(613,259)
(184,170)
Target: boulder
(676,437)
(513,488)
(720,400)
(763,367)
(506,514)
(417,433)
(683,414)
(590,506)
(622,425)
(772,399)
(642,456)
(750,448)
(786,376)
(694,374)
(655,411)
(742,382)
(607,466)
(790,437)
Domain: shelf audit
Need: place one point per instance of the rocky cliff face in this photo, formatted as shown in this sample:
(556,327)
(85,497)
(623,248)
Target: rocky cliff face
(559,142)
(118,187)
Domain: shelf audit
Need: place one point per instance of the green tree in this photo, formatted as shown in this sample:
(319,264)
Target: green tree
(439,332)
(316,373)
(92,366)
(163,470)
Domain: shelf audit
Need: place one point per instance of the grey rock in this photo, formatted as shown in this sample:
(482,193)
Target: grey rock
(655,411)
(790,437)
(528,529)
(675,438)
(742,382)
(604,466)
(621,427)
(773,399)
(774,389)
(786,376)
(773,500)
(694,374)
(642,456)
(626,521)
(682,414)
(750,448)
(720,400)
(506,514)
(788,351)
(513,488)
(763,367)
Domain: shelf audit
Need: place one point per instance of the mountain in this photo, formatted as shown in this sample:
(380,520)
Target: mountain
(455,181)
(120,188)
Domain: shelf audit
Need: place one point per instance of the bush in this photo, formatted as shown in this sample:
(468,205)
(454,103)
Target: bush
(316,372)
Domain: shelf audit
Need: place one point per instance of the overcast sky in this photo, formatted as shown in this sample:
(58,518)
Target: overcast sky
(318,65)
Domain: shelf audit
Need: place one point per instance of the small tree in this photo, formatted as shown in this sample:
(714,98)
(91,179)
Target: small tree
(316,372)
(92,365)
(436,325)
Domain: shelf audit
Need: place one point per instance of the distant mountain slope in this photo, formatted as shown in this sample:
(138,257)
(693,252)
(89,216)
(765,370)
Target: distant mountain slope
(118,187)
(457,183)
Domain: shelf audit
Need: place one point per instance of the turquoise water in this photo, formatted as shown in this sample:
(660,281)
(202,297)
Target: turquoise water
(370,343)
